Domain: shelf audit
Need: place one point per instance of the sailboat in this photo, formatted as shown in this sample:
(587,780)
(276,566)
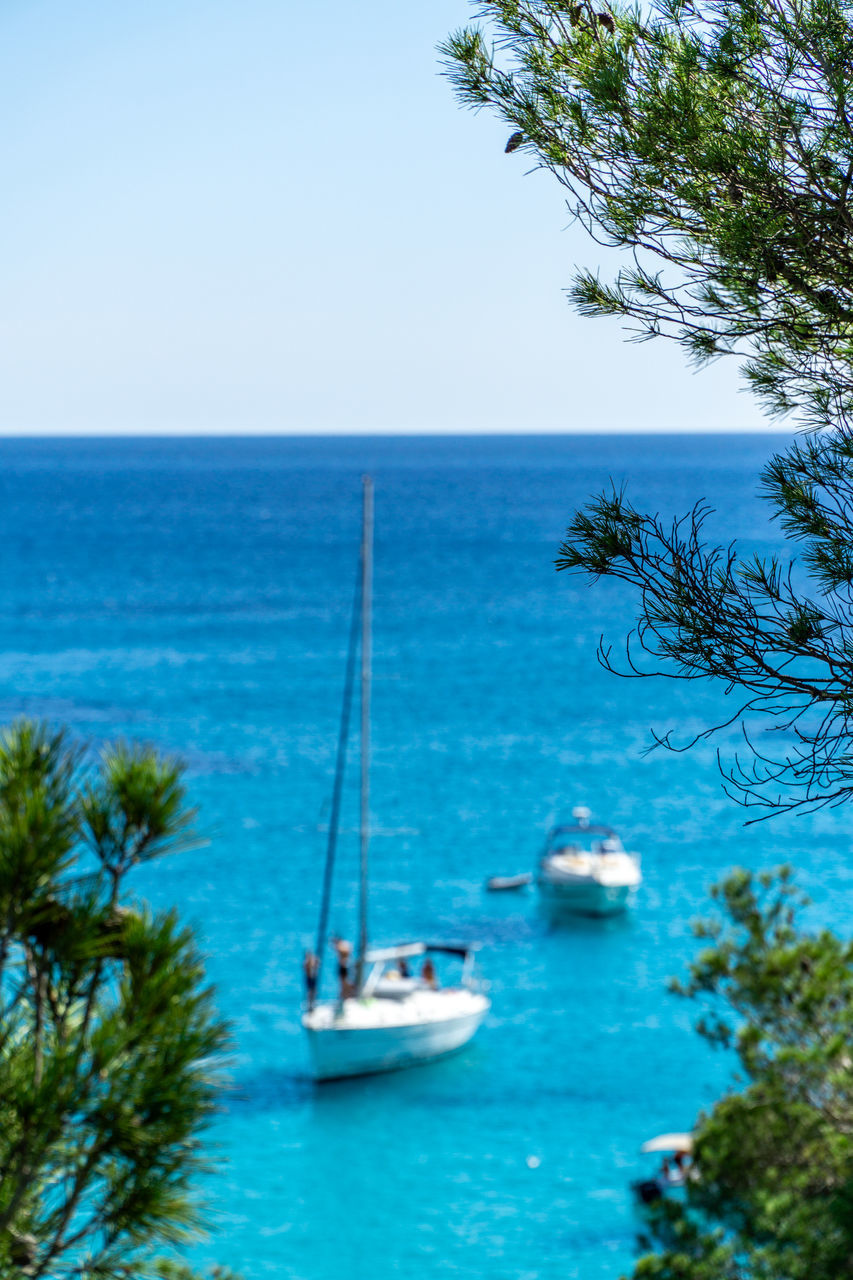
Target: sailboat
(384,1017)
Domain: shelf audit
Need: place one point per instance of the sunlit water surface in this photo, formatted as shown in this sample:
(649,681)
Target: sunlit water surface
(195,594)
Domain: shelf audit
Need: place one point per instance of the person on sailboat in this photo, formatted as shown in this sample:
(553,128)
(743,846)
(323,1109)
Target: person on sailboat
(343,950)
(428,974)
(310,967)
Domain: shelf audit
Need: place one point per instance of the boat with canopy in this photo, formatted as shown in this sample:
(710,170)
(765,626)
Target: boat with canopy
(675,1171)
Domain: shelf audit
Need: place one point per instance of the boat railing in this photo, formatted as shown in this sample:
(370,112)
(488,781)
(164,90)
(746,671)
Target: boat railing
(379,982)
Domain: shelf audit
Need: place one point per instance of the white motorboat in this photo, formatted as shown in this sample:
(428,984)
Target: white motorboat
(585,868)
(383,1017)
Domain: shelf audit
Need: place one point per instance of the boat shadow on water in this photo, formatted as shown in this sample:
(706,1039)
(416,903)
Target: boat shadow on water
(272,1090)
(295,1088)
(440,1083)
(557,918)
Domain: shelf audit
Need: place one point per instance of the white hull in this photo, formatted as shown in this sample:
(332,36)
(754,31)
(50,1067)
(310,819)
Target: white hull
(586,898)
(373,1035)
(589,884)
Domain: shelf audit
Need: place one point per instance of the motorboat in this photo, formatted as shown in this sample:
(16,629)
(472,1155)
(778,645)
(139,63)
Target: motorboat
(585,868)
(676,1169)
(383,1017)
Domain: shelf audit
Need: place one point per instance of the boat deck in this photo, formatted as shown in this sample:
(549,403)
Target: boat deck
(372,1012)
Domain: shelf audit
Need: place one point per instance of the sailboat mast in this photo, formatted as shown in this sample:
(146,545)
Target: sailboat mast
(337,790)
(366,642)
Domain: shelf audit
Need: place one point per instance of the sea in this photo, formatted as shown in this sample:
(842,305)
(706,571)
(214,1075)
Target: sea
(195,594)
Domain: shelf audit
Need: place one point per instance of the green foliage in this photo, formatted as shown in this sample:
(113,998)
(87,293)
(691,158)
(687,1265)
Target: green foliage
(778,639)
(110,1046)
(712,140)
(169,1270)
(771,1196)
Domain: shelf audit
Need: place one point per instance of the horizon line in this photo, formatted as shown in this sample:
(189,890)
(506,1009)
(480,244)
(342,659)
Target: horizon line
(214,434)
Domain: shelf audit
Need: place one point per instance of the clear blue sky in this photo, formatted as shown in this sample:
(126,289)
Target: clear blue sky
(258,216)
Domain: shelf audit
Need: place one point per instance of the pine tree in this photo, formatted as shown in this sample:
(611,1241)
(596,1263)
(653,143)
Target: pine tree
(110,1046)
(712,142)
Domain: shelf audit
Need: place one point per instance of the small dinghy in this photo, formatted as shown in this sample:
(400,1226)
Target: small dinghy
(499,884)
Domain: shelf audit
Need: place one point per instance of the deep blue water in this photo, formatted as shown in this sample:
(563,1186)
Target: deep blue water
(195,594)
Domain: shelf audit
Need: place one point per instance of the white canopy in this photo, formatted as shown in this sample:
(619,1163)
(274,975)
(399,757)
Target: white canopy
(402,952)
(669,1142)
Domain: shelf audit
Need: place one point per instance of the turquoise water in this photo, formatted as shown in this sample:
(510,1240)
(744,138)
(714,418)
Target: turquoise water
(195,594)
